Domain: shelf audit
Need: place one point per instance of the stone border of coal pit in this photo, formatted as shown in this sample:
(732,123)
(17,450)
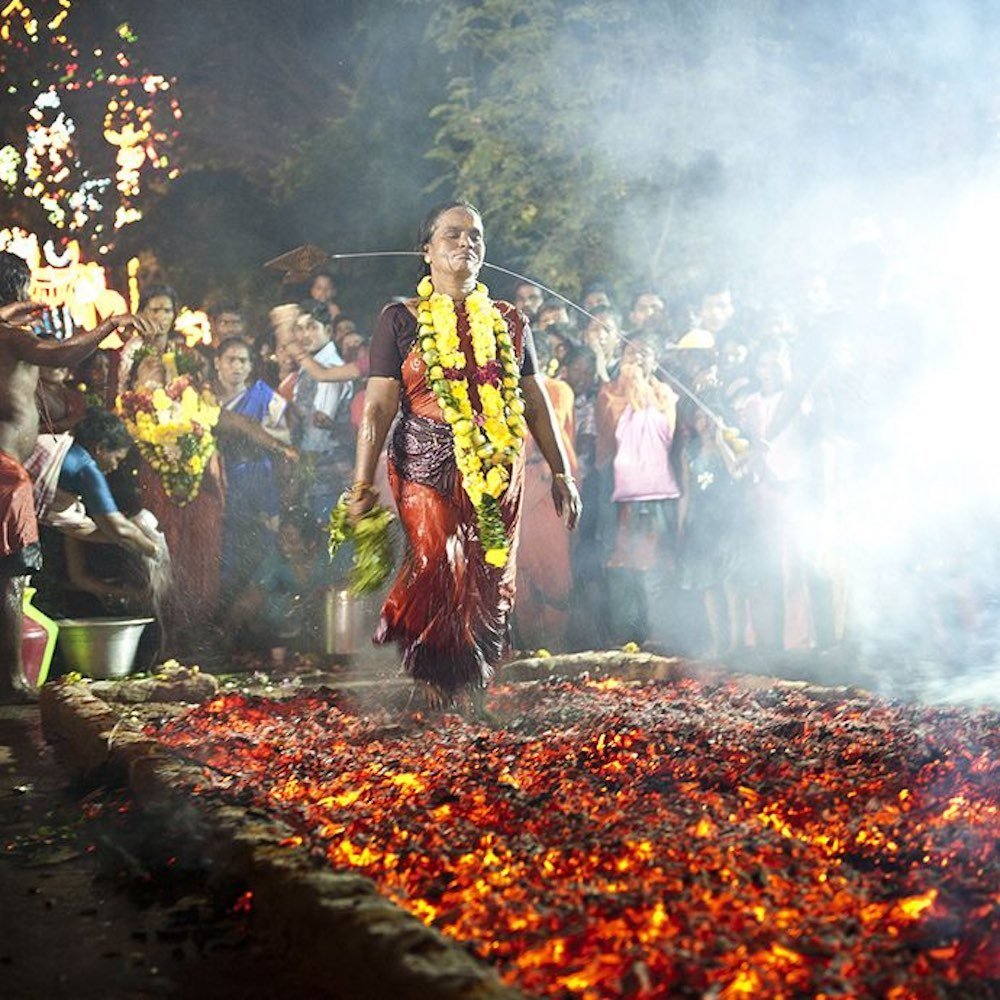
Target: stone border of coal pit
(335,926)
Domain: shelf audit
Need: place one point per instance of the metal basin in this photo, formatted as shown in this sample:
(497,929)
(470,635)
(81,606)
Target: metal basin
(101,647)
(347,622)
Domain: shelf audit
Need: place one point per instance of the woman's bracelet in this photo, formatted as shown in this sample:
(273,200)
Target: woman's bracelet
(564,477)
(360,489)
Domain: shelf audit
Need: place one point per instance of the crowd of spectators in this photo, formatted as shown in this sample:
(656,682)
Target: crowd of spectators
(711,442)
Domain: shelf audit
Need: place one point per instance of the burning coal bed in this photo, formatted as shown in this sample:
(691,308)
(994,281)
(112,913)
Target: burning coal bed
(651,839)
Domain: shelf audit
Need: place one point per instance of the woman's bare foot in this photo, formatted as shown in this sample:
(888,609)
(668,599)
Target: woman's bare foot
(428,697)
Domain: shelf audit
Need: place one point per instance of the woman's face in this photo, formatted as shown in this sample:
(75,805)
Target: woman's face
(159,310)
(54,376)
(108,459)
(100,368)
(703,425)
(233,367)
(457,247)
(602,334)
(558,348)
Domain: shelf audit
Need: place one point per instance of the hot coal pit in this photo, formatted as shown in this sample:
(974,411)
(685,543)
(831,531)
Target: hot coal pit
(623,839)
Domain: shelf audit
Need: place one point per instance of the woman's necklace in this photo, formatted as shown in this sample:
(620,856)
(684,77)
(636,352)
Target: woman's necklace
(486,443)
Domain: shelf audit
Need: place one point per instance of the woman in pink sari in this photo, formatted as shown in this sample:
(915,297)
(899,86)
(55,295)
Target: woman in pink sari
(636,417)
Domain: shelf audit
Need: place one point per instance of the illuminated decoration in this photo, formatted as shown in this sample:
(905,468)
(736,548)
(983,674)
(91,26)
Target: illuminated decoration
(89,182)
(194,325)
(63,282)
(132,270)
(10,167)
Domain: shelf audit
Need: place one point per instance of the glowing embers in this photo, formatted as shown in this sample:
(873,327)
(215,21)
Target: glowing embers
(652,839)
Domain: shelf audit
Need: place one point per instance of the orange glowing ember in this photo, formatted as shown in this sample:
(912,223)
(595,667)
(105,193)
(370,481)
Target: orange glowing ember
(651,839)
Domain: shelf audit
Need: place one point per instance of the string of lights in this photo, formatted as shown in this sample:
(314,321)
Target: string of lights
(88,179)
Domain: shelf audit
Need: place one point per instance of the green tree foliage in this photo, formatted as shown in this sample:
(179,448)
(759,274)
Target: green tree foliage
(360,180)
(660,141)
(574,124)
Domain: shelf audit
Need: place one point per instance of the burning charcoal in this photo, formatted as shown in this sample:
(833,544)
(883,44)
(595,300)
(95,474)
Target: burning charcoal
(571,843)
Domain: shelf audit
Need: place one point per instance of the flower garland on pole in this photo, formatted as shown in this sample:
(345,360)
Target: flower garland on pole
(486,444)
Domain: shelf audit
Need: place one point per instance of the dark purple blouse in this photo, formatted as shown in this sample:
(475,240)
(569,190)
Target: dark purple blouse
(397,329)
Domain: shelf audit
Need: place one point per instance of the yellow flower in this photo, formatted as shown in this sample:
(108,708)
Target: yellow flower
(496,557)
(161,401)
(496,481)
(491,400)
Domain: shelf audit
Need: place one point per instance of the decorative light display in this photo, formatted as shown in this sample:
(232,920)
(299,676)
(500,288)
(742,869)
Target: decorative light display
(88,181)
(194,325)
(75,291)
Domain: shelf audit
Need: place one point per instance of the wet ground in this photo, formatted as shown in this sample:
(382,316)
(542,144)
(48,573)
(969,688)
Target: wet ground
(92,906)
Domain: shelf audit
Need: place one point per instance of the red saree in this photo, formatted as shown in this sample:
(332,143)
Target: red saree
(448,610)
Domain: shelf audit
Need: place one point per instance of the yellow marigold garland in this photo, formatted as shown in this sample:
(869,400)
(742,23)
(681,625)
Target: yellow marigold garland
(486,444)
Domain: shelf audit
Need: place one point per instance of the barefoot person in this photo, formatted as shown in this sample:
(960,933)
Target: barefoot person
(21,355)
(465,369)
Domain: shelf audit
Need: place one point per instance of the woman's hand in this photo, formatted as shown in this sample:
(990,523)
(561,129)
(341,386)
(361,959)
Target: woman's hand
(566,498)
(363,499)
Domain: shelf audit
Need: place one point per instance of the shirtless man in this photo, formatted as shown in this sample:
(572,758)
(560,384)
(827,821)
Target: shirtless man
(21,355)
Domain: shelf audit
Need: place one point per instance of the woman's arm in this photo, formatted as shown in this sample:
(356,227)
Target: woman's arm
(381,404)
(120,530)
(237,425)
(735,466)
(542,424)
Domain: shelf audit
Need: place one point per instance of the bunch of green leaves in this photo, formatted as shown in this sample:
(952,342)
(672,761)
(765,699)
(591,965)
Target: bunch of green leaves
(374,541)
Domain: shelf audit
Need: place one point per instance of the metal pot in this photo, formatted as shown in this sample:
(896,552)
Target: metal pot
(101,647)
(346,621)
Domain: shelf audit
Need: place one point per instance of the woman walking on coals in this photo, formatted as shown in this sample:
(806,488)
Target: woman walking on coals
(463,367)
